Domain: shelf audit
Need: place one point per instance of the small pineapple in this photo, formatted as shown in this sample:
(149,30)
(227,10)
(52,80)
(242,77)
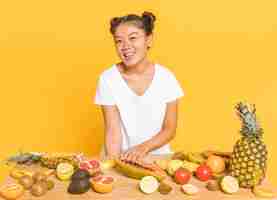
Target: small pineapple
(249,157)
(51,161)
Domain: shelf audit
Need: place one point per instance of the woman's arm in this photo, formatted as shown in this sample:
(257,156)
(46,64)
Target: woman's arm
(113,137)
(168,130)
(166,134)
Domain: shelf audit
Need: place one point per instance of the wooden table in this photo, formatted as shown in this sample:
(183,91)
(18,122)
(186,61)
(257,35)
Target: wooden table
(127,189)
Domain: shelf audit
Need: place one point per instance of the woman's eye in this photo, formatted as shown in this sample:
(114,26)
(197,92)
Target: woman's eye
(133,38)
(118,41)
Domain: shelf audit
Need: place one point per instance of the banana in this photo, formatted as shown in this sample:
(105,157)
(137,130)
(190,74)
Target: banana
(263,192)
(207,153)
(191,166)
(162,163)
(195,157)
(179,156)
(173,165)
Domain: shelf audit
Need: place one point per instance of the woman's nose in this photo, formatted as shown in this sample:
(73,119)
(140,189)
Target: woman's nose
(126,44)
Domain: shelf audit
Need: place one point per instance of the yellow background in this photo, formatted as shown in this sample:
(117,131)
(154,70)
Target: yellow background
(51,53)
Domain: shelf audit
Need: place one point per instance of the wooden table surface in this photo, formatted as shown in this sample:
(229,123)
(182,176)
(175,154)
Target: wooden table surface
(127,189)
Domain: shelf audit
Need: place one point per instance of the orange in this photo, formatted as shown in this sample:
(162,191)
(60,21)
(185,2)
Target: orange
(102,184)
(216,163)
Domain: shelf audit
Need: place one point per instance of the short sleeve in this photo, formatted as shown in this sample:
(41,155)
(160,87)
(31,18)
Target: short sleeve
(104,95)
(174,89)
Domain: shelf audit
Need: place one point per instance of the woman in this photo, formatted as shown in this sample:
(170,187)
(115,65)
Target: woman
(139,98)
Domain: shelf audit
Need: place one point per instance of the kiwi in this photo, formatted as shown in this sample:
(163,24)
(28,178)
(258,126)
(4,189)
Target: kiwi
(164,188)
(38,176)
(44,184)
(38,189)
(213,185)
(26,182)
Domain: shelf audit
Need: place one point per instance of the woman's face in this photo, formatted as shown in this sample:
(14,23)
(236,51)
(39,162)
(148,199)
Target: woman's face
(131,44)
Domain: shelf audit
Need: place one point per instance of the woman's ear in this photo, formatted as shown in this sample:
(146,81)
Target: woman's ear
(149,41)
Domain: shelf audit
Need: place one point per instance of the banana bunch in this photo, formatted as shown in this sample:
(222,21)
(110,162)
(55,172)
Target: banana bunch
(195,157)
(191,166)
(192,160)
(187,160)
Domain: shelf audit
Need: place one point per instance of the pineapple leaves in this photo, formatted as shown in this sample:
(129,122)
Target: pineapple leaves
(247,115)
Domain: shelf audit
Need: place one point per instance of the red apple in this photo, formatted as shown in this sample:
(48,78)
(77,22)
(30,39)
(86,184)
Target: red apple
(182,176)
(203,173)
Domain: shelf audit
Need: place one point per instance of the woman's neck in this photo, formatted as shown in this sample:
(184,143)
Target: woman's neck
(139,68)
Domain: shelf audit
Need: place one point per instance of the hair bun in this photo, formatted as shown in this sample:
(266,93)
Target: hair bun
(148,16)
(114,21)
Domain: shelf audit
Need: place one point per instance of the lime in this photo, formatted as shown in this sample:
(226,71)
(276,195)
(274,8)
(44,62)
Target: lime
(148,184)
(229,184)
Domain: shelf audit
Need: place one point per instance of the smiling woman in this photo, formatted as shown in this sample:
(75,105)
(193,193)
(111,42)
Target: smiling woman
(139,98)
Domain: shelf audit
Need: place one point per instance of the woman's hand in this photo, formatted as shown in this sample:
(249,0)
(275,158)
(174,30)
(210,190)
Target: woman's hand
(135,154)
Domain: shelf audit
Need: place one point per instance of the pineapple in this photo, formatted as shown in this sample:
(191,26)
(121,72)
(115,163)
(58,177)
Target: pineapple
(249,156)
(51,161)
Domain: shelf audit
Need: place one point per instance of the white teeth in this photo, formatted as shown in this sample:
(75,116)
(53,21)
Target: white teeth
(128,55)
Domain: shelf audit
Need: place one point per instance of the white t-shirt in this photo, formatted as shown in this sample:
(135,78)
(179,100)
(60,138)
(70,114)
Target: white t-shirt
(141,117)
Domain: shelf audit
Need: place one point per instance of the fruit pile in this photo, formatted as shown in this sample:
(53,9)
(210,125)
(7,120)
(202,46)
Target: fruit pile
(36,182)
(207,166)
(82,173)
(212,167)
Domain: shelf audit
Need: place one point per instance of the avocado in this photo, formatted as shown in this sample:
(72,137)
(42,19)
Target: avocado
(79,186)
(80,174)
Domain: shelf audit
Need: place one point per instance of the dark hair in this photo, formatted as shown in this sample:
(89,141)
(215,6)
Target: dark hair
(145,22)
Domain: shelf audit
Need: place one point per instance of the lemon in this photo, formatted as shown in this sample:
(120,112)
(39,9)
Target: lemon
(65,171)
(107,164)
